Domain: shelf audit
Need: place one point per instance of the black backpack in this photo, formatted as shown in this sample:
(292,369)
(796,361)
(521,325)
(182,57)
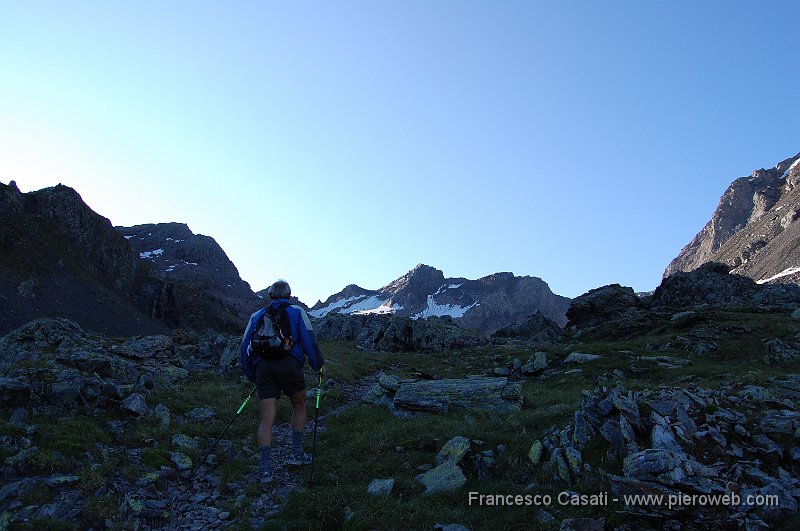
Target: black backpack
(273,338)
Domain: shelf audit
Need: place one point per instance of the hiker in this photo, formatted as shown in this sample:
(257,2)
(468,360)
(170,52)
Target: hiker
(282,371)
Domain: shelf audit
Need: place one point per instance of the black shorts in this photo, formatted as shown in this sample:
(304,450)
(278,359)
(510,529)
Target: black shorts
(281,374)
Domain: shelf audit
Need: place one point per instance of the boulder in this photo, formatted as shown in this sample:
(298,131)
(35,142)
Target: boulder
(537,328)
(710,283)
(535,453)
(535,365)
(135,404)
(381,487)
(475,392)
(445,477)
(601,305)
(779,352)
(453,450)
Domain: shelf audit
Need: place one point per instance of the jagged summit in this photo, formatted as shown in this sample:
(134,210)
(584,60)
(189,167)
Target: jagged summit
(488,303)
(754,228)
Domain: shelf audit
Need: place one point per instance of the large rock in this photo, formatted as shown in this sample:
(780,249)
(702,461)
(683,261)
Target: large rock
(711,283)
(475,392)
(536,328)
(445,477)
(600,305)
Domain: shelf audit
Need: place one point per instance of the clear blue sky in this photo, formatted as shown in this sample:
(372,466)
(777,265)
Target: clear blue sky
(344,142)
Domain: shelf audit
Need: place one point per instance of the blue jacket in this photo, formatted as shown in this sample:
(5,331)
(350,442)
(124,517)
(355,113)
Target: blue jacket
(303,336)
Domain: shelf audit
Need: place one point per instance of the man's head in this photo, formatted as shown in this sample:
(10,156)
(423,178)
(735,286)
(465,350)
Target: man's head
(279,290)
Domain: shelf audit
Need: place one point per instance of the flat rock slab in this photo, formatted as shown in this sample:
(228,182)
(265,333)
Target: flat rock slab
(476,392)
(580,357)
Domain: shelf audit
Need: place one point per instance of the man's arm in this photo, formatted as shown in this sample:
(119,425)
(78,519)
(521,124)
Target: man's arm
(308,341)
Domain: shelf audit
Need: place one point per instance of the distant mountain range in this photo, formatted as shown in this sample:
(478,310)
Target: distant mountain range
(486,304)
(59,258)
(754,229)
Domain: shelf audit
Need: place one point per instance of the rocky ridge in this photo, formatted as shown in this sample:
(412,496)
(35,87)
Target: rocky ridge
(754,229)
(61,259)
(486,304)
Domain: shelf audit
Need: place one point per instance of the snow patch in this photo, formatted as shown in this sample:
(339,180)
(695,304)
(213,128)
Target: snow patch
(451,286)
(129,237)
(370,303)
(786,173)
(380,310)
(325,310)
(438,310)
(785,273)
(149,254)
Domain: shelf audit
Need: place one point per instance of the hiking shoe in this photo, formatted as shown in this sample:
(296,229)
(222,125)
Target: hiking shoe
(265,475)
(299,459)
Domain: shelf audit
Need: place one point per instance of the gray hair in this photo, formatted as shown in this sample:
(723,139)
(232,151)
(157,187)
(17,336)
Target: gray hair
(280,290)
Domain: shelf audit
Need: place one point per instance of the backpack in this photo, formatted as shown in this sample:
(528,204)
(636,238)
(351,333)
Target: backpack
(272,338)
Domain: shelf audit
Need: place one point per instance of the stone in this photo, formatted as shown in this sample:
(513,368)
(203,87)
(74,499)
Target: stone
(445,477)
(162,412)
(184,441)
(535,453)
(611,432)
(381,487)
(19,416)
(475,392)
(779,352)
(796,313)
(579,357)
(182,461)
(583,431)
(665,408)
(14,392)
(785,508)
(453,450)
(146,347)
(135,404)
(60,480)
(769,449)
(200,414)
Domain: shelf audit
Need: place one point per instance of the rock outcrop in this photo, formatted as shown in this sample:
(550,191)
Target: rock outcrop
(397,334)
(439,396)
(193,283)
(58,258)
(754,229)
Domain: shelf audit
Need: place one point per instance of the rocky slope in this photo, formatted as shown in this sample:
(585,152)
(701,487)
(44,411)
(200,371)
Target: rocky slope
(486,304)
(193,282)
(60,258)
(754,229)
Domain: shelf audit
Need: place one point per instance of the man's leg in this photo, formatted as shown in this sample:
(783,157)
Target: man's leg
(298,425)
(267,420)
(265,437)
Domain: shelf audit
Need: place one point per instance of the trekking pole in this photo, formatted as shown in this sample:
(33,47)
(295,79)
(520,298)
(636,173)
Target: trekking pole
(314,440)
(246,400)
